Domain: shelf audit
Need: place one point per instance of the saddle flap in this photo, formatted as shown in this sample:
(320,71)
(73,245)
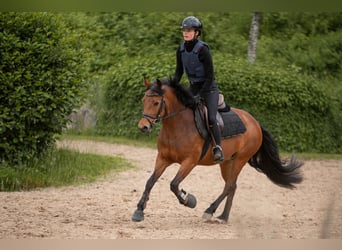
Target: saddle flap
(203,116)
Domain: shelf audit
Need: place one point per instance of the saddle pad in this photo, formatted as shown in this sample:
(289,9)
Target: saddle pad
(232,124)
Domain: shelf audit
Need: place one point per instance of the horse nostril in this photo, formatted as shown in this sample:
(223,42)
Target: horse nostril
(145,125)
(144,129)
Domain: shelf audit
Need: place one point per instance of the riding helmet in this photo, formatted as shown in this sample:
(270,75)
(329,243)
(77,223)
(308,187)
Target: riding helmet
(192,22)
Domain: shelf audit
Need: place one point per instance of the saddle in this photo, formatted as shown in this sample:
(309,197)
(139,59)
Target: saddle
(228,121)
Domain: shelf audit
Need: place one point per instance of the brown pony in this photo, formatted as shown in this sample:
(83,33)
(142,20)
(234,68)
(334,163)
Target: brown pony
(180,142)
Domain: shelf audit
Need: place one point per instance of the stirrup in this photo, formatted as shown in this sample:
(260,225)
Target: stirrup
(218,154)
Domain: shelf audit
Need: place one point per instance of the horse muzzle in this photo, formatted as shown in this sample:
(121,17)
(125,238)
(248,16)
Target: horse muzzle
(145,125)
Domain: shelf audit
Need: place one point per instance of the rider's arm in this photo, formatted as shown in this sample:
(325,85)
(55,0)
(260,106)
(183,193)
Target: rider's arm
(179,66)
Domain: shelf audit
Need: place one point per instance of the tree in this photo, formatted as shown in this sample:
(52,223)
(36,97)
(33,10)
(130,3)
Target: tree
(253,36)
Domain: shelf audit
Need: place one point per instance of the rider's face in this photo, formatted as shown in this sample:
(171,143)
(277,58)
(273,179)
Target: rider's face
(189,34)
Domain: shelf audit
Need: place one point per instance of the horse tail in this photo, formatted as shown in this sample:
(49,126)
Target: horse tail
(284,173)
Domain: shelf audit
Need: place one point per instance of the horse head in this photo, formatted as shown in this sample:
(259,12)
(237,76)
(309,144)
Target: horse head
(153,105)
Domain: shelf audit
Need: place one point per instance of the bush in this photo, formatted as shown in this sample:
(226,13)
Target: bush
(121,106)
(40,82)
(319,56)
(291,105)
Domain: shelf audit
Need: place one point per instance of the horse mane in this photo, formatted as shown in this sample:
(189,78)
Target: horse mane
(181,92)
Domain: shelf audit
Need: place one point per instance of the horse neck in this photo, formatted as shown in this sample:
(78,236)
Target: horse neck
(173,106)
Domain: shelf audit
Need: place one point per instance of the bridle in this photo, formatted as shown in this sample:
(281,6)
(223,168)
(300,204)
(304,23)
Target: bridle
(158,118)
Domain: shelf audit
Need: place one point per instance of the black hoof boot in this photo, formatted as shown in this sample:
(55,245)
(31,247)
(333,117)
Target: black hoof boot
(218,154)
(188,199)
(191,202)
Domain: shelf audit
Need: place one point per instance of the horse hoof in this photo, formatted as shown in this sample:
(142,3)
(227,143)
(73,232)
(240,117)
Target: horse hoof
(191,201)
(207,216)
(138,215)
(220,219)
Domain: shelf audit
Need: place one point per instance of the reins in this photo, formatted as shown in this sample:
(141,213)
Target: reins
(157,118)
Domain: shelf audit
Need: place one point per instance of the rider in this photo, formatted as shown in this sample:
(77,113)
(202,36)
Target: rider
(193,56)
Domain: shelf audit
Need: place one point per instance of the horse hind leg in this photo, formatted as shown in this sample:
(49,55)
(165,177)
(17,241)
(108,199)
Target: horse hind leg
(209,212)
(227,193)
(227,168)
(229,172)
(229,201)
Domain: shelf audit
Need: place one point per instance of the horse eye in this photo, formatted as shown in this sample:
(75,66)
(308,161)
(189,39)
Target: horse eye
(156,104)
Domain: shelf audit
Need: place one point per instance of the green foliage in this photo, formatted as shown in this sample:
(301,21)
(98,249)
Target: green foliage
(58,167)
(287,24)
(311,41)
(281,89)
(291,105)
(124,90)
(294,87)
(41,83)
(319,56)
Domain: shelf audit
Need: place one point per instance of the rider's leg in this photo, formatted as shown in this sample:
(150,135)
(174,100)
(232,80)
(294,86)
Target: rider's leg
(211,99)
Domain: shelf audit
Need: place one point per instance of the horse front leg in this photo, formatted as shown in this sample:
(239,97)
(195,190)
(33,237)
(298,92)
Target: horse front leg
(183,197)
(160,167)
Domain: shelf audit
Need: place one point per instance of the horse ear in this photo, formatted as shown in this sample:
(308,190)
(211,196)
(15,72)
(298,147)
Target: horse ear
(159,83)
(147,83)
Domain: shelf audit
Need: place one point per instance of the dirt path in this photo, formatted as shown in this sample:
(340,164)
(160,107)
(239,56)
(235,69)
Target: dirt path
(103,210)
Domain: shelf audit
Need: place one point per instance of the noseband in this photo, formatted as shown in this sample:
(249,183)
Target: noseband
(157,118)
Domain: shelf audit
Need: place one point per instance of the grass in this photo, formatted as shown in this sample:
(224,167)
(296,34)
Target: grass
(146,141)
(59,167)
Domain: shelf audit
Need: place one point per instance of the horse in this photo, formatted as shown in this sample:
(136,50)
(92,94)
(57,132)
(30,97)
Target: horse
(179,142)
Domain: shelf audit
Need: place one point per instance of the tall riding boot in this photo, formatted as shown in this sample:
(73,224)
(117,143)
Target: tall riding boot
(217,150)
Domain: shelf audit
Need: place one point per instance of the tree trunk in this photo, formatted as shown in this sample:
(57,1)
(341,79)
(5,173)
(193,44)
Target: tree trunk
(253,36)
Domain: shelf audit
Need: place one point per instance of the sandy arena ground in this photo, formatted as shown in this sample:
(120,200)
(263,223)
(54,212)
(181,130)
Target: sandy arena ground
(103,210)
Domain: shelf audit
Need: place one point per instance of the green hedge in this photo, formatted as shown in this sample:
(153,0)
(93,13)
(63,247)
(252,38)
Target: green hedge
(121,106)
(40,82)
(289,104)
